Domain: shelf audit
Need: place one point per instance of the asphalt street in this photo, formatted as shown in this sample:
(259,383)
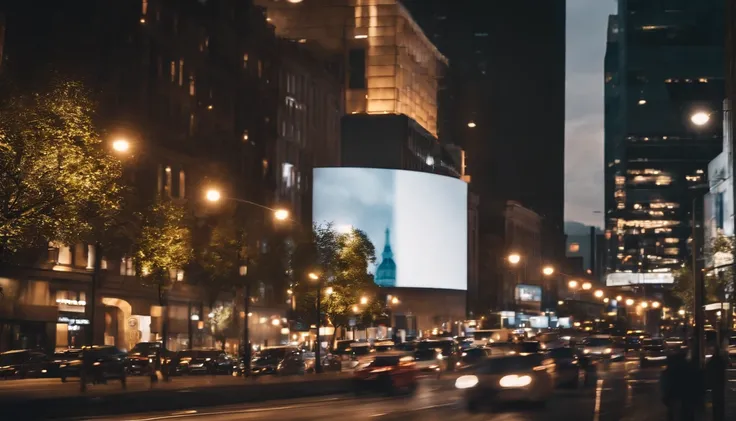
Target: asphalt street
(624,392)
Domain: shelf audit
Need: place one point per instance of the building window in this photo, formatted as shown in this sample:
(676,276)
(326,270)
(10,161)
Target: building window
(287,175)
(64,256)
(182,184)
(144,7)
(192,86)
(126,266)
(245,61)
(574,247)
(173,71)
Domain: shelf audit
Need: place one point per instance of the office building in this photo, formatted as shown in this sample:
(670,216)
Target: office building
(664,88)
(503,102)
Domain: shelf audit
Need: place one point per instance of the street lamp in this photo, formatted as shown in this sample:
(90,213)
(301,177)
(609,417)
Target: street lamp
(317,359)
(121,145)
(587,285)
(394,301)
(619,298)
(356,309)
(514,258)
(363,300)
(700,118)
(598,294)
(213,195)
(644,304)
(472,124)
(329,291)
(548,270)
(572,284)
(655,304)
(629,302)
(281,214)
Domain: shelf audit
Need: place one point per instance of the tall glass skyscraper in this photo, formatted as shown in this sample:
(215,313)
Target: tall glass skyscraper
(664,89)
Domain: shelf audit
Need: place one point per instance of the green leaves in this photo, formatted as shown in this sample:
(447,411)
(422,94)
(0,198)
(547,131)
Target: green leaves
(56,180)
(342,261)
(164,244)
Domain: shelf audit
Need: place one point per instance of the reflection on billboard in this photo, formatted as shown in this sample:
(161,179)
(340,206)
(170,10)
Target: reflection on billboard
(416,221)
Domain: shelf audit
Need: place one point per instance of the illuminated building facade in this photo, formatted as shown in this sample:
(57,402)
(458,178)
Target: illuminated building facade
(390,67)
(663,66)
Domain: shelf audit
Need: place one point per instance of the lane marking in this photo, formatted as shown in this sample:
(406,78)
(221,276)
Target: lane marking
(598,393)
(233,411)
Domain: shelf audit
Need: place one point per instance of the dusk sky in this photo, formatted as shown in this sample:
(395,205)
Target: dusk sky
(586,46)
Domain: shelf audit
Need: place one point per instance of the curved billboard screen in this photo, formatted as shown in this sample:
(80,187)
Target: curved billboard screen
(417,222)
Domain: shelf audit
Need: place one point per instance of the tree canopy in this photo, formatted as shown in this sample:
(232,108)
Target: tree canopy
(341,260)
(57,182)
(718,283)
(164,244)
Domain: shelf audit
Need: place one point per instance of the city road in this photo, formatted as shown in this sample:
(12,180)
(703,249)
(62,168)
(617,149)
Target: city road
(625,392)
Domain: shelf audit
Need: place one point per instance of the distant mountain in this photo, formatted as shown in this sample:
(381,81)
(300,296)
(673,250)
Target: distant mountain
(578,228)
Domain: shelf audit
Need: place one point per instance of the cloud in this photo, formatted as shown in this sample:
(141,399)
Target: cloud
(587,22)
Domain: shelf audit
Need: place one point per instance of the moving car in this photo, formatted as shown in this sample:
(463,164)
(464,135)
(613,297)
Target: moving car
(471,357)
(447,347)
(430,360)
(508,379)
(103,362)
(388,373)
(500,349)
(383,346)
(567,367)
(601,347)
(652,352)
(550,340)
(22,364)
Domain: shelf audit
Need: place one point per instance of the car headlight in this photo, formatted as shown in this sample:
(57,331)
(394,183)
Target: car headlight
(96,363)
(586,351)
(466,382)
(513,381)
(150,360)
(607,351)
(208,359)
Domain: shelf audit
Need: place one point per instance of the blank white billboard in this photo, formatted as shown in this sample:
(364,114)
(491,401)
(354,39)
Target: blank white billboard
(416,221)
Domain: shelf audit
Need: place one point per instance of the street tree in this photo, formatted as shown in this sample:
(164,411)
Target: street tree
(57,182)
(162,249)
(341,260)
(718,283)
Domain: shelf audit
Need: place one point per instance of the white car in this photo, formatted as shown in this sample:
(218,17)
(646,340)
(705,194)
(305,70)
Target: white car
(430,361)
(601,347)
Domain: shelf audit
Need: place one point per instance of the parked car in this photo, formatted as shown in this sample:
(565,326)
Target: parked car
(430,360)
(102,363)
(448,348)
(143,354)
(550,340)
(59,358)
(732,350)
(23,363)
(202,362)
(508,379)
(388,373)
(268,359)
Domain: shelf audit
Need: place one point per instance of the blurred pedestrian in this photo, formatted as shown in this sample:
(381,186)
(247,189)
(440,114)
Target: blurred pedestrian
(716,369)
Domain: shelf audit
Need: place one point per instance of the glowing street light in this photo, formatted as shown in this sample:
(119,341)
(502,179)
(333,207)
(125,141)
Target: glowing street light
(655,304)
(281,214)
(681,312)
(548,270)
(213,195)
(313,276)
(120,145)
(559,303)
(700,118)
(572,284)
(587,285)
(356,309)
(472,124)
(606,300)
(619,298)
(629,302)
(394,300)
(514,258)
(295,1)
(329,291)
(598,294)
(364,300)
(644,304)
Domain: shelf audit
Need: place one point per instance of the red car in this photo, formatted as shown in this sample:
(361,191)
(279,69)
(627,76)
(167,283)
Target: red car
(388,373)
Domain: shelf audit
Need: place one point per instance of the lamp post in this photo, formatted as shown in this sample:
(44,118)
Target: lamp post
(317,359)
(214,195)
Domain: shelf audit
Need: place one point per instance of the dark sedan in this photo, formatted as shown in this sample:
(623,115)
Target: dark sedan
(267,361)
(101,362)
(653,352)
(23,363)
(202,362)
(143,355)
(567,367)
